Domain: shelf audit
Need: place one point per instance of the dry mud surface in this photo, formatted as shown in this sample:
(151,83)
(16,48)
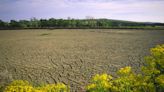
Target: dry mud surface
(72,56)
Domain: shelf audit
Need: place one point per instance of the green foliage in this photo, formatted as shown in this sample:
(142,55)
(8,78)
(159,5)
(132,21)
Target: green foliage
(160,80)
(3,24)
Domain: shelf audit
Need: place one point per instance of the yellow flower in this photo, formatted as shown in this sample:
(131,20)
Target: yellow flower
(100,82)
(20,83)
(106,84)
(104,77)
(19,89)
(19,86)
(24,86)
(91,86)
(126,70)
(96,77)
(158,50)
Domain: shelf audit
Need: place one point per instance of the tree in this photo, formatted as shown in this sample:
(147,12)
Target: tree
(24,24)
(15,24)
(2,24)
(34,23)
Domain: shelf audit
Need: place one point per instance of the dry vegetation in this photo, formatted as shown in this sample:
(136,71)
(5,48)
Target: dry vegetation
(72,56)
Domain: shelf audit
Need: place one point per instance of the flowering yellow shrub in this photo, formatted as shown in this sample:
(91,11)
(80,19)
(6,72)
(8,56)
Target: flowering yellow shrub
(25,86)
(59,87)
(125,80)
(19,86)
(155,62)
(100,83)
(154,68)
(125,71)
(157,55)
(151,80)
(158,50)
(104,82)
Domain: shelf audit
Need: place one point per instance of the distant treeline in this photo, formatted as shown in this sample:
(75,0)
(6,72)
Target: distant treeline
(76,23)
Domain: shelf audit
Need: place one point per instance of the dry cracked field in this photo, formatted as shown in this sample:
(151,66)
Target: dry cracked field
(72,56)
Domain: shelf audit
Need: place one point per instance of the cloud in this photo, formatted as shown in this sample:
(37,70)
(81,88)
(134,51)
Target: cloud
(31,8)
(137,10)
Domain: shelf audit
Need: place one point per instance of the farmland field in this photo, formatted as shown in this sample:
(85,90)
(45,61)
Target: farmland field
(72,56)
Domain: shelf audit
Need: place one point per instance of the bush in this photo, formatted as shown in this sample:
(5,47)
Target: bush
(19,86)
(150,80)
(100,83)
(154,69)
(25,86)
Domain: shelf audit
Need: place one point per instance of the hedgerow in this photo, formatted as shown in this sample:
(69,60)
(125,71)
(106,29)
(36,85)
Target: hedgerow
(151,79)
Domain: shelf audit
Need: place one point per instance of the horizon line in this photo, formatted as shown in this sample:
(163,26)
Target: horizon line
(91,17)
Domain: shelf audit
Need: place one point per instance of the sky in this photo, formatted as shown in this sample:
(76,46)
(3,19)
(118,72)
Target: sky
(132,10)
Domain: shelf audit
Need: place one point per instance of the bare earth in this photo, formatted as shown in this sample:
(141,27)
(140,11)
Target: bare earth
(72,56)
